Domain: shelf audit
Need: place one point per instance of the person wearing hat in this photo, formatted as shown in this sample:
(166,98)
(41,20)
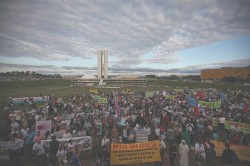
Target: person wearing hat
(183,153)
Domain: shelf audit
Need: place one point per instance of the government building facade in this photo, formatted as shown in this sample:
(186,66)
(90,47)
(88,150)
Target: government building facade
(217,74)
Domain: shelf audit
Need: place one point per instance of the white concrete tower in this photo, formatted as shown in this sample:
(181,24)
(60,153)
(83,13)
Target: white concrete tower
(102,64)
(106,64)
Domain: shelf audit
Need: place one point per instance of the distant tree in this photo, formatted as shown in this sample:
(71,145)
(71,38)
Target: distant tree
(151,76)
(173,77)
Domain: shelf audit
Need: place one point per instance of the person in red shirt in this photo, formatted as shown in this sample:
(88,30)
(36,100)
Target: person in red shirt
(38,137)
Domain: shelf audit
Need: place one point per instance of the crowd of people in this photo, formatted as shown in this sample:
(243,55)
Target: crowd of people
(166,115)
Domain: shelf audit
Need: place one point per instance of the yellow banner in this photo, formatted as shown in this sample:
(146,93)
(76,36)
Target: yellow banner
(135,153)
(243,152)
(93,91)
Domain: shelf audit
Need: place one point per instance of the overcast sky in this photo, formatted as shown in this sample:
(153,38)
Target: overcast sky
(143,36)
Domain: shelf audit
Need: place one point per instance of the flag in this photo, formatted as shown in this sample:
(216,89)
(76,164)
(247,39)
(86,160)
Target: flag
(222,96)
(117,110)
(192,102)
(196,111)
(201,94)
(246,108)
(185,136)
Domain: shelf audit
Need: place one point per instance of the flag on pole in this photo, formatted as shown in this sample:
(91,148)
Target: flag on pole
(246,108)
(192,102)
(117,110)
(196,111)
(201,94)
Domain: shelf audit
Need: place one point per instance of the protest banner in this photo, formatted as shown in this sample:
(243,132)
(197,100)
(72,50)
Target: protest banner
(102,100)
(244,127)
(3,151)
(243,152)
(135,153)
(141,136)
(149,94)
(123,122)
(215,104)
(43,126)
(93,91)
(82,143)
(23,100)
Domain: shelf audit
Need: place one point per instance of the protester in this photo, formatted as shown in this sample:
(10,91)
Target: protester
(172,153)
(183,154)
(38,137)
(14,148)
(61,155)
(162,150)
(75,160)
(28,143)
(228,157)
(39,153)
(200,150)
(166,115)
(211,155)
(53,149)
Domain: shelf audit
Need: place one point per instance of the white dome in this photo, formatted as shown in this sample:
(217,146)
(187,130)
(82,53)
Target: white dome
(88,76)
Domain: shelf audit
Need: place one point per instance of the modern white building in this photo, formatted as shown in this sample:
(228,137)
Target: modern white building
(102,71)
(102,75)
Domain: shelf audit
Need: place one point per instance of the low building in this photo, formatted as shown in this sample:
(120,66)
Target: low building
(217,74)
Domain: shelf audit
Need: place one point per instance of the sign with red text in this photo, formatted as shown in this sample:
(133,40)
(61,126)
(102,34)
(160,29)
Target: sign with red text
(135,153)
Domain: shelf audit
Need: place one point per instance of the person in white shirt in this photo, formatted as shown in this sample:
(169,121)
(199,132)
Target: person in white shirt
(81,132)
(14,125)
(67,134)
(199,149)
(222,120)
(39,152)
(162,149)
(14,146)
(61,155)
(105,141)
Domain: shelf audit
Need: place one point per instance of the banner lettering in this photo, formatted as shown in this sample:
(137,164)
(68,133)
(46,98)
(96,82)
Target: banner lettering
(135,153)
(83,143)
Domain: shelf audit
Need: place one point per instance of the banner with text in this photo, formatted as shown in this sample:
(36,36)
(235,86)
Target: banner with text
(93,91)
(243,152)
(215,104)
(23,100)
(244,127)
(43,126)
(82,143)
(135,153)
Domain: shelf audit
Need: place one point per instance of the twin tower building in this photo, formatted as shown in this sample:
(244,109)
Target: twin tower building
(102,64)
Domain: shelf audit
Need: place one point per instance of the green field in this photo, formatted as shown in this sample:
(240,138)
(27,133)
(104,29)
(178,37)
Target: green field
(62,88)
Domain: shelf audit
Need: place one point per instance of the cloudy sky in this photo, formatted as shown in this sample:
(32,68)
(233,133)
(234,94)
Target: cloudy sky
(143,36)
